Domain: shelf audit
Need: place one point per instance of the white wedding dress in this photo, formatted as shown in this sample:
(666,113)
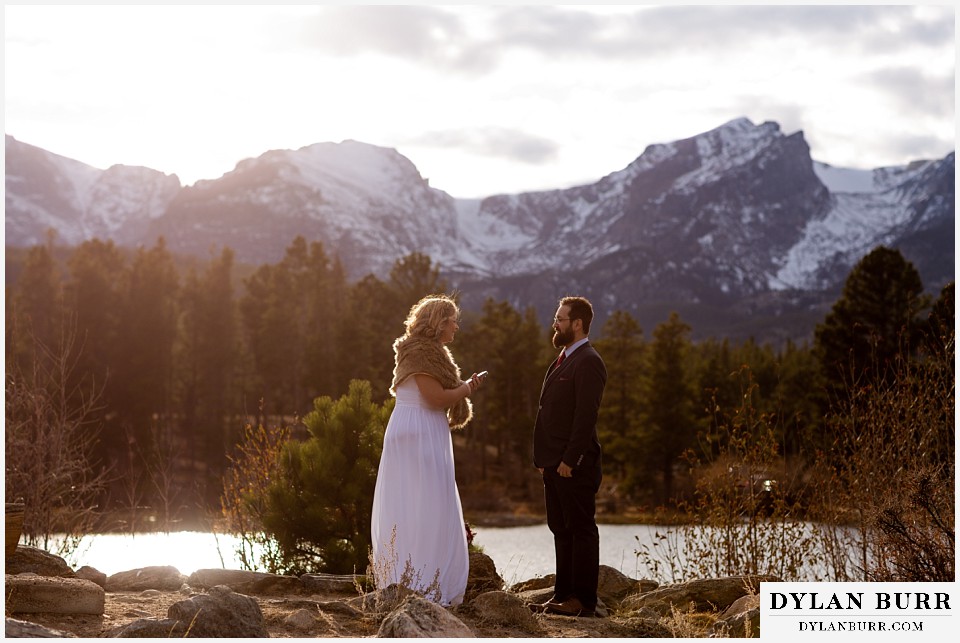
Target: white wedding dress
(417,528)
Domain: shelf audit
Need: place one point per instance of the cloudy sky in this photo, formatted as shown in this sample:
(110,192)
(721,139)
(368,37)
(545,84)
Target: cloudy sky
(481,99)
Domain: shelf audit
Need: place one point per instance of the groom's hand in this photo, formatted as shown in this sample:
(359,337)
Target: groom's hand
(565,470)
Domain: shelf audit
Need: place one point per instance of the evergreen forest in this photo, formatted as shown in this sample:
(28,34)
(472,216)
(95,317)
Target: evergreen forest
(149,391)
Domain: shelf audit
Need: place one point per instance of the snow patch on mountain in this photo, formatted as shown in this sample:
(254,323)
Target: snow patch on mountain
(355,167)
(857,223)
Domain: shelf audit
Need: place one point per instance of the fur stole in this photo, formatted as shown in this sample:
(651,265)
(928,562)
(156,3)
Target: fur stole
(430,357)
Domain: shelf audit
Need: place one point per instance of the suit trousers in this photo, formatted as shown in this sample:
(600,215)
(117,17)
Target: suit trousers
(571,516)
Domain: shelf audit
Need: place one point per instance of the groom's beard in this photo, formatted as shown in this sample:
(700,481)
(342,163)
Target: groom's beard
(562,338)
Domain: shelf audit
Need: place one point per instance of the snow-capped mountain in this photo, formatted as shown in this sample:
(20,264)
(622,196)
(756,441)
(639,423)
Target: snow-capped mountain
(45,191)
(369,205)
(739,213)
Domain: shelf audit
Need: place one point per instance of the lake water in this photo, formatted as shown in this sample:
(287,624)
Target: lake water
(520,553)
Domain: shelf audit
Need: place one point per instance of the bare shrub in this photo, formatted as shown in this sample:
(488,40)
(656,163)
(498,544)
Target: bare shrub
(892,471)
(382,569)
(244,497)
(51,429)
(746,515)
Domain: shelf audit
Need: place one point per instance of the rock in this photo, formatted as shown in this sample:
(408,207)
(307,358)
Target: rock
(502,609)
(338,607)
(94,575)
(329,607)
(247,582)
(30,594)
(531,596)
(14,628)
(31,559)
(707,595)
(271,585)
(207,578)
(541,582)
(149,628)
(302,619)
(741,605)
(740,620)
(419,618)
(221,613)
(329,584)
(613,586)
(159,577)
(539,596)
(483,576)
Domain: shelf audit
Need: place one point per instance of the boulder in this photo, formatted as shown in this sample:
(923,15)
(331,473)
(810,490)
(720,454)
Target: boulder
(207,578)
(302,619)
(538,596)
(419,618)
(483,576)
(92,574)
(37,561)
(339,608)
(272,585)
(16,629)
(221,613)
(740,620)
(707,595)
(329,584)
(30,594)
(158,577)
(541,582)
(503,609)
(613,586)
(261,583)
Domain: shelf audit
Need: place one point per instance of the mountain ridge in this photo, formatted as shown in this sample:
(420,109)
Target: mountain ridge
(736,214)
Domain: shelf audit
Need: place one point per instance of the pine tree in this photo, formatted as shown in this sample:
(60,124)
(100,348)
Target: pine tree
(672,424)
(206,362)
(94,294)
(319,507)
(622,414)
(876,319)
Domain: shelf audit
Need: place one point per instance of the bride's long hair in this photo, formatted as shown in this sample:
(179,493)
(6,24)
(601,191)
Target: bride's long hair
(427,314)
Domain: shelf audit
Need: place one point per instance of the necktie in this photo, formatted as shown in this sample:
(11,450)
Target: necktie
(563,355)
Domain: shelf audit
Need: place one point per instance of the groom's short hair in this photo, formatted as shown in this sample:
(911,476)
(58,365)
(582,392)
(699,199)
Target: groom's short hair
(580,309)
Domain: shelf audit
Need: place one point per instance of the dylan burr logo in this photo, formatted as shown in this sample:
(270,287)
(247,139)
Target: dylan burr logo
(920,611)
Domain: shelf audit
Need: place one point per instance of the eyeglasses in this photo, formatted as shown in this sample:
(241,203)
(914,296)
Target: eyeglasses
(557,320)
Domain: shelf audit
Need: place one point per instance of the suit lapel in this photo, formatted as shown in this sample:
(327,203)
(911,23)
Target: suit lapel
(553,370)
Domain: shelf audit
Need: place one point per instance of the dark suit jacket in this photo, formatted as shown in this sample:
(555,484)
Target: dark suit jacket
(566,426)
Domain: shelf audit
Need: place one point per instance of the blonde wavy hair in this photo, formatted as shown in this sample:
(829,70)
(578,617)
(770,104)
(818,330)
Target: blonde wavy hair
(427,314)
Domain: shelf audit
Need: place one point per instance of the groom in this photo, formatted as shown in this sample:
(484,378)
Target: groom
(567,452)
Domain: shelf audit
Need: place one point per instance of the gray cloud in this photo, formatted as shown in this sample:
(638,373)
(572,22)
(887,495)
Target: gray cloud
(915,90)
(495,142)
(443,38)
(419,33)
(920,146)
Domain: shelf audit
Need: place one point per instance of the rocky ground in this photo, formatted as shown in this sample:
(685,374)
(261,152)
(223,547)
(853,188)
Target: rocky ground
(160,602)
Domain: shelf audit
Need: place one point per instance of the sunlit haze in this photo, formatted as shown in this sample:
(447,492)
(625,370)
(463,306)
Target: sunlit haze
(483,100)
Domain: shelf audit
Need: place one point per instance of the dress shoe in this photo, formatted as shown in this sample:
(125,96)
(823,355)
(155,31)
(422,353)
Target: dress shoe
(570,607)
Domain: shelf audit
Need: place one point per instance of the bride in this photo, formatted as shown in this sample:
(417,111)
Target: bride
(417,529)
